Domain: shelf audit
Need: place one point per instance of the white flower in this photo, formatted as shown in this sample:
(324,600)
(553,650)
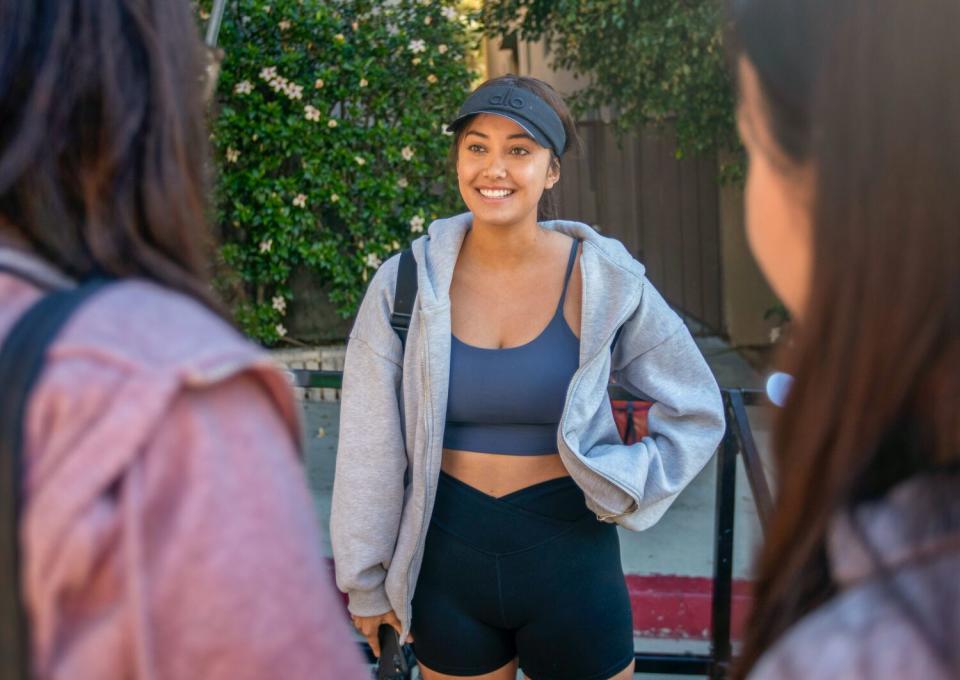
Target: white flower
(442,49)
(266,246)
(232,155)
(415,60)
(372,261)
(375,11)
(311,113)
(428,21)
(334,198)
(407,153)
(284,25)
(269,73)
(280,329)
(416,224)
(300,201)
(417,46)
(280,304)
(403,183)
(392,30)
(204,15)
(340,38)
(450,13)
(266,8)
(243,87)
(445,129)
(432,79)
(319,83)
(279,83)
(332,123)
(294,91)
(395,246)
(360,160)
(363,82)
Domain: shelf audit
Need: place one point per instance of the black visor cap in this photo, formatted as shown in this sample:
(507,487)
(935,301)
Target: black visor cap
(522,107)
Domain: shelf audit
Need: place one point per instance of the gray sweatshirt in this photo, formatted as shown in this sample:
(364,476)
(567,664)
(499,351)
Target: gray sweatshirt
(394,405)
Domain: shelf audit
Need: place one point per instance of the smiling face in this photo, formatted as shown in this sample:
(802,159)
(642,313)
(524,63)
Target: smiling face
(502,171)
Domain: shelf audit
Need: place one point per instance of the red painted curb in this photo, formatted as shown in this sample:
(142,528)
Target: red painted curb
(677,607)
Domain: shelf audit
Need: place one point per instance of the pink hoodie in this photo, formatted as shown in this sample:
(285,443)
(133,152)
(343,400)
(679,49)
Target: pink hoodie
(168,532)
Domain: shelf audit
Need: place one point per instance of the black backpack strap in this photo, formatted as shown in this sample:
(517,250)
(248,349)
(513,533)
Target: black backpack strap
(404,295)
(21,361)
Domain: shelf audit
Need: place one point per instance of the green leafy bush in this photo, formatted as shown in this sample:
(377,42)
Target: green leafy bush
(330,140)
(650,61)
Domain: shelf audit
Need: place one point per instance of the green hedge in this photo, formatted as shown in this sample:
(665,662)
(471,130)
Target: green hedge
(330,142)
(649,61)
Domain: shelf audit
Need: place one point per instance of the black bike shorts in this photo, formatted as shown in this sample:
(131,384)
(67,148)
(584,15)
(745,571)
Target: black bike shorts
(532,575)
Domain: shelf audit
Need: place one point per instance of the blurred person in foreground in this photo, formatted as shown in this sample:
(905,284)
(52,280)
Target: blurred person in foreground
(167,530)
(850,113)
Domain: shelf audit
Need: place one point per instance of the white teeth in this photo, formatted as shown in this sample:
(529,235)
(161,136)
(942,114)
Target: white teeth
(495,193)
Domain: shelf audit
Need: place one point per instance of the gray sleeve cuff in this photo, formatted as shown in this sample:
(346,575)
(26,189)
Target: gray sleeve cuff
(369,602)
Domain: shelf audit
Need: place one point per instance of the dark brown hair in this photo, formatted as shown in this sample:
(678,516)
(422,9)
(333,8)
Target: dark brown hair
(864,93)
(103,142)
(547,207)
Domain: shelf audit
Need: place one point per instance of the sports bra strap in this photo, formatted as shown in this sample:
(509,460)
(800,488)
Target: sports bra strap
(566,280)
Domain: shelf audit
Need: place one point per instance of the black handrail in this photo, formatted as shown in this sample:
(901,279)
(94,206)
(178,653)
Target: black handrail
(736,401)
(737,439)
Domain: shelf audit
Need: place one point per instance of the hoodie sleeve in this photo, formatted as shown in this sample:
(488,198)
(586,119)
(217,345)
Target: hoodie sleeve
(371,457)
(657,357)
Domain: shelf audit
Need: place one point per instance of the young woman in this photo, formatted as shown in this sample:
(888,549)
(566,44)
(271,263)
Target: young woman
(850,113)
(479,474)
(167,531)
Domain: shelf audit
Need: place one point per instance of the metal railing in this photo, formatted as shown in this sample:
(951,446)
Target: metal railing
(737,441)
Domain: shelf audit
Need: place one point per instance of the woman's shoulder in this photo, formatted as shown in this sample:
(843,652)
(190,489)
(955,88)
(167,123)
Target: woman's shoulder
(861,633)
(120,364)
(611,249)
(143,327)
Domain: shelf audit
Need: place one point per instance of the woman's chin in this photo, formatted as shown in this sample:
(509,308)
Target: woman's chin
(499,215)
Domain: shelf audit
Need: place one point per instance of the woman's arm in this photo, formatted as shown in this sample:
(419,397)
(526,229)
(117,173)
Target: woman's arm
(656,357)
(371,455)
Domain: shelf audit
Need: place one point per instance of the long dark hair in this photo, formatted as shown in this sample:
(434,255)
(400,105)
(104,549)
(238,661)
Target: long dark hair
(547,208)
(864,92)
(103,142)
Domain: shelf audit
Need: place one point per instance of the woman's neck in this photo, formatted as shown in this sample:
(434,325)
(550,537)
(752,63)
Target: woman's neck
(503,246)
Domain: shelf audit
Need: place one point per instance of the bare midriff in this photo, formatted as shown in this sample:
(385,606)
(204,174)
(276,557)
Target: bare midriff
(498,474)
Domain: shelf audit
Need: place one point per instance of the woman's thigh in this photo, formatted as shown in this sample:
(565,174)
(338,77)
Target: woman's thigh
(507,672)
(625,674)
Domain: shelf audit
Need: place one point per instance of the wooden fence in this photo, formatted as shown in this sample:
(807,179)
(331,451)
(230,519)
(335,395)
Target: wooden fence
(664,209)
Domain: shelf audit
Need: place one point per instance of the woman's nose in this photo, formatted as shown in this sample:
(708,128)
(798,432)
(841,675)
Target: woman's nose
(495,167)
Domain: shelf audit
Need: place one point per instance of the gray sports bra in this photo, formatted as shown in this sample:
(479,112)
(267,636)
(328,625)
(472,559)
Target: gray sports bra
(510,400)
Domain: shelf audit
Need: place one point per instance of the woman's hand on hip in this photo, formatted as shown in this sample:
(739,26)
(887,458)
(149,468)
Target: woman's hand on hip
(370,625)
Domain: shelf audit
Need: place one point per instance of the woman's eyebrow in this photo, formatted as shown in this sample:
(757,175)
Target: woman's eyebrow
(478,134)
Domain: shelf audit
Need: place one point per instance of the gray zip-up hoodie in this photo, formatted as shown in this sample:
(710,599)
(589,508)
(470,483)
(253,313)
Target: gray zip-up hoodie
(394,406)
